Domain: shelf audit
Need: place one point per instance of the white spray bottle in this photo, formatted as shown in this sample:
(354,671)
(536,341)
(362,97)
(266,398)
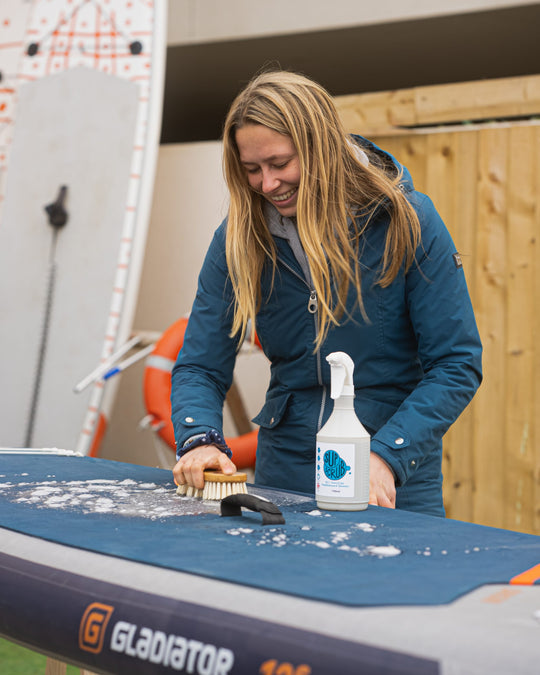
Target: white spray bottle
(343,446)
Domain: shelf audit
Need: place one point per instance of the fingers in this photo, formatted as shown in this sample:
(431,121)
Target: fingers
(382,495)
(381,499)
(382,488)
(226,465)
(190,469)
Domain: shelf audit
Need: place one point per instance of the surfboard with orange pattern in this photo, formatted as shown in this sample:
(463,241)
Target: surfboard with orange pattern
(81,84)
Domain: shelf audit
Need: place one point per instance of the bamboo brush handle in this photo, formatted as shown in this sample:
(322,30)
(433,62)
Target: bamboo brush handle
(218,477)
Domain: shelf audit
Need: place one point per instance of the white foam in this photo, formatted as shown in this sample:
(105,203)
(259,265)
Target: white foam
(235,532)
(338,537)
(337,540)
(57,502)
(45,491)
(126,497)
(383,551)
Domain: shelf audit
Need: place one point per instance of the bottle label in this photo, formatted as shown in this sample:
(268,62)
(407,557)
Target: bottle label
(335,470)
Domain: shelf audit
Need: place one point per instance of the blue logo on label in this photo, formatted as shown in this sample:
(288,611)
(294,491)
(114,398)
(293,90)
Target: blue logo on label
(334,467)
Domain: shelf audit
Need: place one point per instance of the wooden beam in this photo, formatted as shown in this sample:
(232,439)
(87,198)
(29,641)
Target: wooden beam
(387,113)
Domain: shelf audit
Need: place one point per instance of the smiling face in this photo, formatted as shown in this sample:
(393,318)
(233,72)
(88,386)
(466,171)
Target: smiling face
(272,165)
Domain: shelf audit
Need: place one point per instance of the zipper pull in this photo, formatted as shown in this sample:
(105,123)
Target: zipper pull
(312,303)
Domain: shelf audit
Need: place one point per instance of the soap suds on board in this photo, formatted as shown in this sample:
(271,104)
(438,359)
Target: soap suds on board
(278,537)
(125,497)
(122,497)
(383,551)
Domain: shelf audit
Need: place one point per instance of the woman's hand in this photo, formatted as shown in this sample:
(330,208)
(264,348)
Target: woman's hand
(189,470)
(382,487)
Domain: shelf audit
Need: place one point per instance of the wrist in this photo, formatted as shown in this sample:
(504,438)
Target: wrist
(210,437)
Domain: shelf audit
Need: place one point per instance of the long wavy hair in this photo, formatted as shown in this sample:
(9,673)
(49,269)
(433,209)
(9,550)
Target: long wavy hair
(336,187)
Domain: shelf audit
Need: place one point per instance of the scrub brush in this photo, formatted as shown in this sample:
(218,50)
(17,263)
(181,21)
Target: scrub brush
(217,486)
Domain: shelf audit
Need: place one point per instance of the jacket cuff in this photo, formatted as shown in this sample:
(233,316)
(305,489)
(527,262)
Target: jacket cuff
(211,437)
(395,450)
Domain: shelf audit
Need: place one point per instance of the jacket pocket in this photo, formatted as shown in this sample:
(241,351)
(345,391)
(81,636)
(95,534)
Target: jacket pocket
(272,411)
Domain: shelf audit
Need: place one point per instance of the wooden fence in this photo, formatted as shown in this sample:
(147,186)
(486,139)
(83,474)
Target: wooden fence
(475,149)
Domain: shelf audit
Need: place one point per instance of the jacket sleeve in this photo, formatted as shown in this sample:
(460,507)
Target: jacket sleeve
(203,371)
(449,350)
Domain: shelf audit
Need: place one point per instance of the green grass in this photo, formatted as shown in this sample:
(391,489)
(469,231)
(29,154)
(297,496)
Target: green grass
(16,660)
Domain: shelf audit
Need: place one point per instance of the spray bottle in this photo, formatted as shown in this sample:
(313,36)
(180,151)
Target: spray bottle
(343,446)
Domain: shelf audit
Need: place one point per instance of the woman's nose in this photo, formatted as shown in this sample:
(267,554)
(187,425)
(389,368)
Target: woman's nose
(269,181)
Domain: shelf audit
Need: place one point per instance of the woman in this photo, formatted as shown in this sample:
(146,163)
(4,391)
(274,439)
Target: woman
(326,247)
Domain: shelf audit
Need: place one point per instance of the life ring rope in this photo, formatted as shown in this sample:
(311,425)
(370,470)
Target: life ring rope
(157,392)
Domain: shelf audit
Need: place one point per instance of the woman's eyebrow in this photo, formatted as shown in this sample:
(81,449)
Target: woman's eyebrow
(272,158)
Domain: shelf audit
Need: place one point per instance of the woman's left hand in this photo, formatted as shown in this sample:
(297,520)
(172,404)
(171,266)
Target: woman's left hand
(382,487)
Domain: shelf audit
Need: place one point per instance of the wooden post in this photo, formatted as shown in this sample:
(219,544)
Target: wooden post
(54,667)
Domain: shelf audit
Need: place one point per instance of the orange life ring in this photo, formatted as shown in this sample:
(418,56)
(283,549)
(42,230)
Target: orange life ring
(157,393)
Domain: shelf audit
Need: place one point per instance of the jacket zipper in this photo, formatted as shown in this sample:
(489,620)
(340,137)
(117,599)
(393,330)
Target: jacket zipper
(313,308)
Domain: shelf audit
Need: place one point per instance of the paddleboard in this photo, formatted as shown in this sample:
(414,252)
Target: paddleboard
(81,93)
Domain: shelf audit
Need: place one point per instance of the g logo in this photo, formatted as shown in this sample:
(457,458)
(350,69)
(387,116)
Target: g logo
(93,626)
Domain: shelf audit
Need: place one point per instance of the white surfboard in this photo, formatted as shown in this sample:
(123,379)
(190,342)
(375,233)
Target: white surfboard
(80,113)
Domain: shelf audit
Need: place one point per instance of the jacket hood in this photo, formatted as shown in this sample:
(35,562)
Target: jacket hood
(385,159)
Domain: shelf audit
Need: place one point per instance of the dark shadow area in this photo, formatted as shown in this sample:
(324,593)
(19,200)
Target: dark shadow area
(201,80)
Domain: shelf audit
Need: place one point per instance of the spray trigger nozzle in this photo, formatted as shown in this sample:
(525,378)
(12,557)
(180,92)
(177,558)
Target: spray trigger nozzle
(341,374)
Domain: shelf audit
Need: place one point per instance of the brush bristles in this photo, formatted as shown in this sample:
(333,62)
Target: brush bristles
(216,486)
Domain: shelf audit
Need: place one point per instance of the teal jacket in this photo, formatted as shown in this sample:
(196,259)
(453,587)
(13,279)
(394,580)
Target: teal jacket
(417,359)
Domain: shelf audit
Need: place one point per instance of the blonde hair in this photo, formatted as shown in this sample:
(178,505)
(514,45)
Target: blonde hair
(334,186)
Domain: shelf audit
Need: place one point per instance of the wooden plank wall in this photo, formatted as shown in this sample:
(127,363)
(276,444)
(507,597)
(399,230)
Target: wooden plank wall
(480,163)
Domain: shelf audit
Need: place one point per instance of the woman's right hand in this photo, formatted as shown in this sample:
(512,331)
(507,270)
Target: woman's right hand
(382,485)
(189,470)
